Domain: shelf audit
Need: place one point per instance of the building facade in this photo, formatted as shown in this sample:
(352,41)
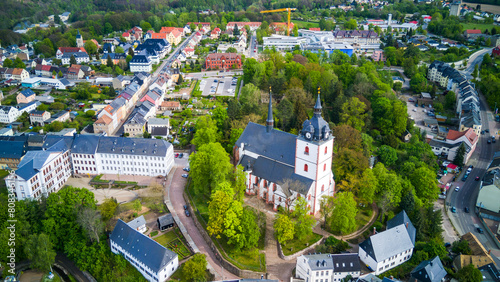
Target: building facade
(222,61)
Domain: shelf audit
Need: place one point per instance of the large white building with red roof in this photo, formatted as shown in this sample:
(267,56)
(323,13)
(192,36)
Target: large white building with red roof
(454,139)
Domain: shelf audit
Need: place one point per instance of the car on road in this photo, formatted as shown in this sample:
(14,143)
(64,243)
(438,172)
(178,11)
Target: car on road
(469,169)
(487,130)
(185,175)
(177,155)
(457,189)
(186,169)
(466,209)
(447,245)
(181,155)
(414,110)
(489,141)
(185,207)
(480,230)
(465,177)
(187,213)
(477,178)
(453,210)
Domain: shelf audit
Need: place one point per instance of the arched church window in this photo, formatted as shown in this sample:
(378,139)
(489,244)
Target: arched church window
(323,188)
(306,150)
(326,150)
(306,168)
(324,167)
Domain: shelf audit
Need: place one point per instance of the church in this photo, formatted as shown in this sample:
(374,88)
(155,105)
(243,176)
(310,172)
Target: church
(282,167)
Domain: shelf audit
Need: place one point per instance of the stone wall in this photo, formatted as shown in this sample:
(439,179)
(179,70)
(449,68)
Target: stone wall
(221,260)
(310,249)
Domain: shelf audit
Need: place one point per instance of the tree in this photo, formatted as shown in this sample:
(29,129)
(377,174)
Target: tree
(343,220)
(488,42)
(326,208)
(367,186)
(206,131)
(475,72)
(249,98)
(353,113)
(450,100)
(284,113)
(90,47)
(283,228)
(72,60)
(250,230)
(231,50)
(194,269)
(60,74)
(387,155)
(137,205)
(425,183)
(90,113)
(220,201)
(351,24)
(438,107)
(39,250)
(469,273)
(209,166)
(108,208)
(461,247)
(109,62)
(459,157)
(90,221)
(236,31)
(119,49)
(304,222)
(7,63)
(18,63)
(180,80)
(418,83)
(397,86)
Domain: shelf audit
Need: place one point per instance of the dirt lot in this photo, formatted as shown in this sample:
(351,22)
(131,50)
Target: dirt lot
(484,7)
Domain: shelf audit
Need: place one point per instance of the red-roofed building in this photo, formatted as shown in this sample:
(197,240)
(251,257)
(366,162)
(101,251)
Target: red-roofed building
(203,24)
(172,34)
(280,28)
(253,25)
(215,33)
(126,35)
(472,33)
(315,29)
(452,167)
(496,51)
(62,50)
(188,52)
(223,61)
(46,70)
(469,137)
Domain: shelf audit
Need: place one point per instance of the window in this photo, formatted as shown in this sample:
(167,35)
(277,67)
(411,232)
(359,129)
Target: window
(306,168)
(326,150)
(274,187)
(323,188)
(306,150)
(324,167)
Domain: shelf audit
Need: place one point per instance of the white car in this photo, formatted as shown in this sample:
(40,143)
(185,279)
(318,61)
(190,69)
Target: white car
(457,189)
(414,110)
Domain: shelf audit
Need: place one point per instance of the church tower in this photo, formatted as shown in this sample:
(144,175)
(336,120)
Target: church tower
(79,39)
(313,156)
(270,120)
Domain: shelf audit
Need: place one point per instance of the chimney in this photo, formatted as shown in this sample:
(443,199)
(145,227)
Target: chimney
(407,225)
(489,251)
(374,230)
(392,277)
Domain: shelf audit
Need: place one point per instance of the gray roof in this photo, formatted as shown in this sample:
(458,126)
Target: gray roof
(159,131)
(12,149)
(319,261)
(85,144)
(132,146)
(276,145)
(386,244)
(32,162)
(27,92)
(143,248)
(276,172)
(166,219)
(346,262)
(429,271)
(369,278)
(402,218)
(159,121)
(137,222)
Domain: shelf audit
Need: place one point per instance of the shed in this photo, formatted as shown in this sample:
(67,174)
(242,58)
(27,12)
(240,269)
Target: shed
(430,122)
(441,118)
(138,224)
(452,168)
(165,221)
(426,95)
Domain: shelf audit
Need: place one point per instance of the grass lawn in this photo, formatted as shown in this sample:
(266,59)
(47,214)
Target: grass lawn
(363,216)
(303,24)
(154,233)
(166,238)
(173,242)
(481,26)
(54,279)
(294,246)
(179,276)
(244,259)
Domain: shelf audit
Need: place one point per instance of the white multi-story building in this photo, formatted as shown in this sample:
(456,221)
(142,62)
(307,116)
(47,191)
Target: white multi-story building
(284,43)
(154,261)
(390,248)
(80,57)
(8,114)
(283,167)
(93,155)
(41,172)
(327,267)
(141,63)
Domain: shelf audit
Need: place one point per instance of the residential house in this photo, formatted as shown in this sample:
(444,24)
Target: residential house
(80,57)
(63,50)
(390,248)
(454,139)
(479,255)
(138,224)
(188,52)
(87,71)
(378,55)
(328,267)
(75,72)
(223,61)
(46,71)
(126,35)
(19,74)
(61,116)
(429,271)
(64,16)
(108,48)
(241,25)
(152,260)
(215,33)
(356,37)
(158,123)
(6,131)
(141,63)
(154,49)
(121,81)
(12,152)
(135,124)
(473,34)
(170,106)
(114,41)
(25,96)
(39,117)
(8,114)
(171,34)
(116,58)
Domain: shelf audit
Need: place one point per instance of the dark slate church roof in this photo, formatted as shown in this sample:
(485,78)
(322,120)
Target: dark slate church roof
(402,218)
(276,145)
(143,248)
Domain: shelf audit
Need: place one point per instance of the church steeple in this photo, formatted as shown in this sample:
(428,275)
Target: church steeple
(270,120)
(317,107)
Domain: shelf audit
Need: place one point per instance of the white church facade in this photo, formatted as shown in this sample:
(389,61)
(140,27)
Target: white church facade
(282,167)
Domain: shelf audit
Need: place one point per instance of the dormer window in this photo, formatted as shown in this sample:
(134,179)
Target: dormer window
(306,151)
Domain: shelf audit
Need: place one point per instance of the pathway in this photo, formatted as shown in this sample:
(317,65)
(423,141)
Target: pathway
(122,196)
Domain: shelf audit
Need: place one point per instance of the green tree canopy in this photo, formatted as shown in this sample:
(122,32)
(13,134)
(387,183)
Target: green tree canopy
(343,220)
(194,269)
(209,166)
(206,131)
(283,228)
(40,252)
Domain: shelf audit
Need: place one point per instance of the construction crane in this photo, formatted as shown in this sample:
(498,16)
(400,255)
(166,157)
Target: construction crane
(289,10)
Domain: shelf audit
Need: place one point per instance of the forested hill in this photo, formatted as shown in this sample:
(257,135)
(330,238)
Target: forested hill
(489,2)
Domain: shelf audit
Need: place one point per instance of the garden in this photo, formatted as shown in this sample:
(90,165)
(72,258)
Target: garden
(174,241)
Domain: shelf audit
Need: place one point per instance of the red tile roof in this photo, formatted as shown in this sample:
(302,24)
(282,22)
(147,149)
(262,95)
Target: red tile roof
(72,49)
(315,29)
(469,134)
(473,31)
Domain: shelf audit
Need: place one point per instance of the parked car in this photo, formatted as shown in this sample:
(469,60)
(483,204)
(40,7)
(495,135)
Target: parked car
(480,230)
(414,110)
(487,130)
(185,175)
(457,189)
(465,177)
(186,169)
(187,213)
(466,209)
(185,207)
(177,155)
(477,178)
(489,141)
(453,210)
(181,155)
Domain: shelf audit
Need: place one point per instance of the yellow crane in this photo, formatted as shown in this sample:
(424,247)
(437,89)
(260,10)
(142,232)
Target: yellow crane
(289,10)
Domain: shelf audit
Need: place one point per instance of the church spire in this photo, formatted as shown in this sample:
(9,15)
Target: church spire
(317,107)
(270,120)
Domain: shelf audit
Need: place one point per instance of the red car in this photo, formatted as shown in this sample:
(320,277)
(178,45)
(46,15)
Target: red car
(177,155)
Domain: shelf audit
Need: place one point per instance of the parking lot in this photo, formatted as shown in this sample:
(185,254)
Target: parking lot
(419,114)
(218,86)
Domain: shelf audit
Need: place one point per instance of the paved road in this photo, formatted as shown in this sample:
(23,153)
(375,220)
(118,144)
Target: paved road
(406,83)
(467,195)
(177,200)
(475,59)
(253,47)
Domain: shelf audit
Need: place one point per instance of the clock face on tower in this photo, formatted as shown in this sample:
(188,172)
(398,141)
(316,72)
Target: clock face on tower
(327,134)
(308,135)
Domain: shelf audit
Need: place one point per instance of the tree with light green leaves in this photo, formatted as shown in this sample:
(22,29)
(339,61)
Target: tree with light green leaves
(284,228)
(353,113)
(425,183)
(194,269)
(40,251)
(206,131)
(304,222)
(367,186)
(469,273)
(209,166)
(343,219)
(387,155)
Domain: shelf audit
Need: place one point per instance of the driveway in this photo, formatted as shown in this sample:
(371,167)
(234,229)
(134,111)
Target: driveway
(177,200)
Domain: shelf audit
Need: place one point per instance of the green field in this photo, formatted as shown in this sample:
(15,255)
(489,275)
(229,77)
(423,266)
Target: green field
(293,246)
(303,24)
(480,26)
